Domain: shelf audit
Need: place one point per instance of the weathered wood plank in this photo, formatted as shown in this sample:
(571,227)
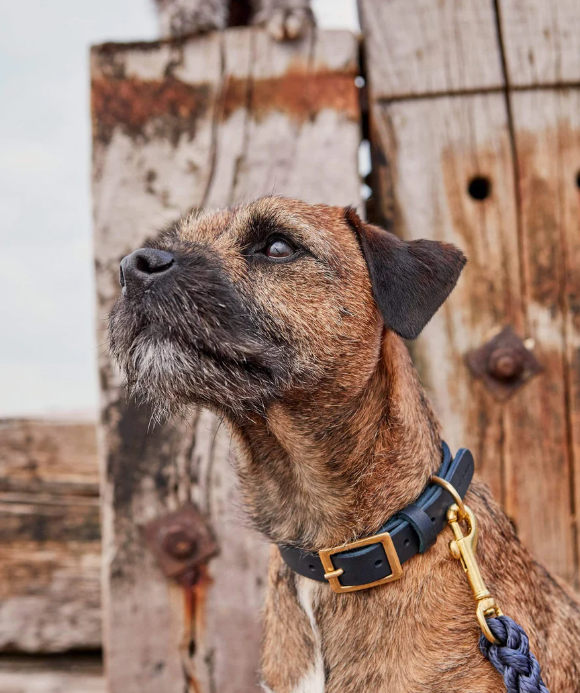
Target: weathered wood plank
(547,129)
(430,151)
(49,537)
(425,47)
(302,131)
(204,122)
(48,456)
(51,675)
(541,41)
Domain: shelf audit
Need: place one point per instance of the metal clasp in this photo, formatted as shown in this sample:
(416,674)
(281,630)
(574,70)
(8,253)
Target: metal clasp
(463,548)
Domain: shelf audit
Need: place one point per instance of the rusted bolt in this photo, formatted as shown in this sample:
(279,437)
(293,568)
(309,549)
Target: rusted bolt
(179,542)
(182,542)
(505,364)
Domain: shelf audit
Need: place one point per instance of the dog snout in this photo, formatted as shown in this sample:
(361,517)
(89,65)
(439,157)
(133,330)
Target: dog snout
(142,267)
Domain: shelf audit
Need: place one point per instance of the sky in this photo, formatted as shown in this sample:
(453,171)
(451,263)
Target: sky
(47,342)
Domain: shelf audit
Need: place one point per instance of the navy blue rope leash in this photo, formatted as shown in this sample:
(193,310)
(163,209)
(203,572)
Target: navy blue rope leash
(512,656)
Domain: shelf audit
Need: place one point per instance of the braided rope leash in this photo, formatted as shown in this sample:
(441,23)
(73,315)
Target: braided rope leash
(503,642)
(511,656)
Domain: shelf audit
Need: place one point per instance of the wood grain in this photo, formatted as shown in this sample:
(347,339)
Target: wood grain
(80,674)
(547,127)
(541,41)
(423,47)
(48,457)
(204,122)
(431,150)
(49,537)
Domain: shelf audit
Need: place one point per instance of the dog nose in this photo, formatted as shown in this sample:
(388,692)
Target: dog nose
(143,266)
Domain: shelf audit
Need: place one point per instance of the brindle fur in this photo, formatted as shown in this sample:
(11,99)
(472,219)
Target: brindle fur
(334,435)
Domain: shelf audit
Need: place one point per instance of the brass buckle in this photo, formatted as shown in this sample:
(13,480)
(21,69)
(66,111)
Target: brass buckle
(332,574)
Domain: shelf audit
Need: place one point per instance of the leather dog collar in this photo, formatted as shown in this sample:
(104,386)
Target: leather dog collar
(377,560)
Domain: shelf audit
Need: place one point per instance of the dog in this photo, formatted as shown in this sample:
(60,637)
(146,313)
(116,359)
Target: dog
(289,320)
(284,19)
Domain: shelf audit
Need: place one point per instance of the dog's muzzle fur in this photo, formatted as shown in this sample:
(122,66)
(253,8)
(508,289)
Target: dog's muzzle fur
(184,335)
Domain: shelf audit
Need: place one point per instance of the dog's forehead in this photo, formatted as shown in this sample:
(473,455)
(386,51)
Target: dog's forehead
(319,227)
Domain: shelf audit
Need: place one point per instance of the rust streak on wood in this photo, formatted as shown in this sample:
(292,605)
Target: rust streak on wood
(301,96)
(132,104)
(174,107)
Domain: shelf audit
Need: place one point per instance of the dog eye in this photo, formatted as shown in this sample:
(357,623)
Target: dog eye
(278,248)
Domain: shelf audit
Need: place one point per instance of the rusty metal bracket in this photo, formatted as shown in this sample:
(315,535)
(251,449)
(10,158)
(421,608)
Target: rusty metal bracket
(181,541)
(504,364)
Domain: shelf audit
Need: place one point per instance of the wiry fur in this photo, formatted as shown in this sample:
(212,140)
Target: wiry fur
(334,435)
(285,19)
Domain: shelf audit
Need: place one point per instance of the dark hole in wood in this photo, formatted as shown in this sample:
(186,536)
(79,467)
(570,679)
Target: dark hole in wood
(240,12)
(479,188)
(578,179)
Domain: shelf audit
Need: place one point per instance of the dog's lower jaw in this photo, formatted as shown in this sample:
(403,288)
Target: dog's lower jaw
(173,376)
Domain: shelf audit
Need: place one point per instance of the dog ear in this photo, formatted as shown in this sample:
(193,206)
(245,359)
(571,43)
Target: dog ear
(410,279)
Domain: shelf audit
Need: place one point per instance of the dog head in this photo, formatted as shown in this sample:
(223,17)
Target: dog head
(242,307)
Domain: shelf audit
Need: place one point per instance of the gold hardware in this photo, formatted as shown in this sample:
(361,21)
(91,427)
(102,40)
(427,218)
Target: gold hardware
(332,574)
(463,548)
(452,491)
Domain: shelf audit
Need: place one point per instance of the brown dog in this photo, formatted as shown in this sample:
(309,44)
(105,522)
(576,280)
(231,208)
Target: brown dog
(287,319)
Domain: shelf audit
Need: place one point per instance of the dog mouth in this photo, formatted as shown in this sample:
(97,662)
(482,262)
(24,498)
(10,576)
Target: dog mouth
(173,359)
(183,334)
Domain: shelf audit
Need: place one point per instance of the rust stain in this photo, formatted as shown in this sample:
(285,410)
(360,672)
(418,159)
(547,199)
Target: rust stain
(297,94)
(235,96)
(303,96)
(172,107)
(542,230)
(196,586)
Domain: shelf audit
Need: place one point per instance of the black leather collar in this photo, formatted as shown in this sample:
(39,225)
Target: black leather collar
(412,530)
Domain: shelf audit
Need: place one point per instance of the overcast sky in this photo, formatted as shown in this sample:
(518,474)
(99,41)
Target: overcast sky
(47,345)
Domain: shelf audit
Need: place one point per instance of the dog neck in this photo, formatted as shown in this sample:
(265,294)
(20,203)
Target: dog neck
(318,471)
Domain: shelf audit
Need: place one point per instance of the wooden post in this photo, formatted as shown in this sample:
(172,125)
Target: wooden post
(461,157)
(49,538)
(209,121)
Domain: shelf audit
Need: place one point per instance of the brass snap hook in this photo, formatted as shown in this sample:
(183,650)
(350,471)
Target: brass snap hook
(463,549)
